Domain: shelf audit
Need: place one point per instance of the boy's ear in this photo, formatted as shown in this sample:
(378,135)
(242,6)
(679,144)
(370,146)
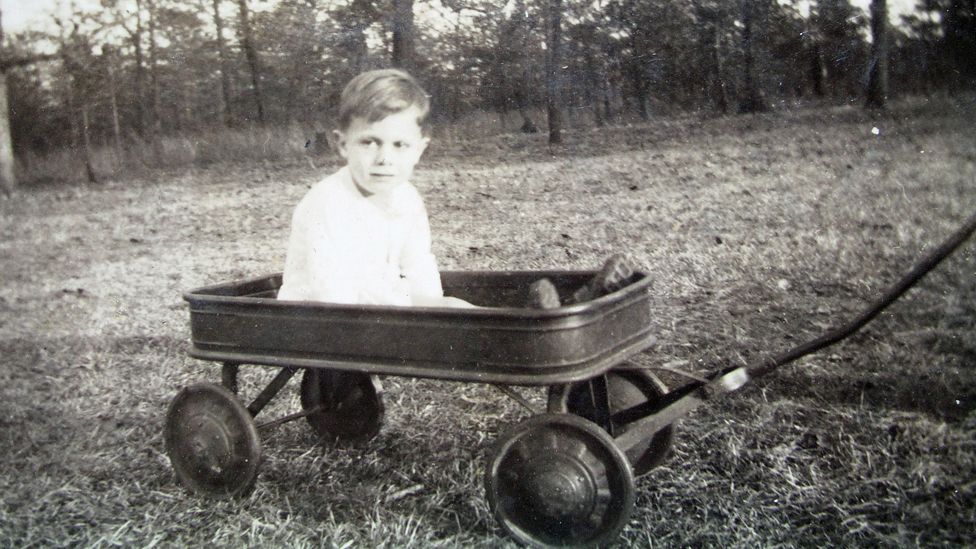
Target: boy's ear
(423,144)
(338,140)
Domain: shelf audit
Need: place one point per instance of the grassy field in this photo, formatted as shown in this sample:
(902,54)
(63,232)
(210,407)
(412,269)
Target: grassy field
(759,232)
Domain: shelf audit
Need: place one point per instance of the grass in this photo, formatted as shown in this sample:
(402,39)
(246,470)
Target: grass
(759,232)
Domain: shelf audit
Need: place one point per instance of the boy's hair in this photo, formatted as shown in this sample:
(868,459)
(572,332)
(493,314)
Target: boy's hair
(374,95)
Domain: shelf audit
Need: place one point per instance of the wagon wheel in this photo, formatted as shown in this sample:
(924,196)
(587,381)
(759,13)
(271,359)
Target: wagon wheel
(557,480)
(350,404)
(212,441)
(625,389)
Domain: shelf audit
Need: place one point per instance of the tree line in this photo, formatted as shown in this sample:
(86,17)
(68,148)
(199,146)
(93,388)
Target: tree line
(137,70)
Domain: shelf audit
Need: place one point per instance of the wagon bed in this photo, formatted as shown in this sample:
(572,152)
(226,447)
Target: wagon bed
(499,342)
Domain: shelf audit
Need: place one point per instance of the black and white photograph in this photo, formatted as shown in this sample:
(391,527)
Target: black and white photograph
(487,273)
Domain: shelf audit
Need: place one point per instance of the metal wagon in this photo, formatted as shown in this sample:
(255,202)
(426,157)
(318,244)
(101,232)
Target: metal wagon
(560,478)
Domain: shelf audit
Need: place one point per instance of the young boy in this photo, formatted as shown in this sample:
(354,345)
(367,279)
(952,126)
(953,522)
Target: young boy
(361,235)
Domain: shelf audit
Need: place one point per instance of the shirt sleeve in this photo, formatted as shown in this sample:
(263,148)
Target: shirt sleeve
(417,262)
(316,260)
(296,279)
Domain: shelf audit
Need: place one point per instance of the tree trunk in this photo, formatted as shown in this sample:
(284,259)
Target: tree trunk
(156,114)
(640,90)
(252,58)
(634,71)
(86,146)
(456,78)
(360,49)
(222,59)
(708,17)
(818,70)
(553,61)
(611,84)
(754,100)
(720,90)
(114,104)
(188,118)
(522,103)
(403,47)
(877,92)
(8,180)
(141,110)
(592,89)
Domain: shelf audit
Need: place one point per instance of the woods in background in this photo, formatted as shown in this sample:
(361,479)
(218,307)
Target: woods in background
(138,70)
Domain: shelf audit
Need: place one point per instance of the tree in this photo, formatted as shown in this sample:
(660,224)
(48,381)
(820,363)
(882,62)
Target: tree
(300,43)
(838,26)
(352,21)
(140,76)
(959,30)
(754,100)
(222,65)
(186,67)
(111,60)
(7,179)
(128,17)
(157,114)
(877,90)
(785,41)
(460,52)
(586,57)
(511,67)
(654,38)
(251,54)
(635,22)
(920,62)
(712,17)
(403,39)
(83,84)
(35,114)
(553,63)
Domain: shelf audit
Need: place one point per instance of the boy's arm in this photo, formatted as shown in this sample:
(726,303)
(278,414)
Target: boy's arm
(296,284)
(313,263)
(418,264)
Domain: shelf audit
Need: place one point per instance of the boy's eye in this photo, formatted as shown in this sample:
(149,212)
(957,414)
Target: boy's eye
(401,145)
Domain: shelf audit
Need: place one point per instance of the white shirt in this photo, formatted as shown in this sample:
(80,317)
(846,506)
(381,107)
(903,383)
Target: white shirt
(348,248)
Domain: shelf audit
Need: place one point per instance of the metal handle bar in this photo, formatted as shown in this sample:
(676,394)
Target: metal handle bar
(896,290)
(645,419)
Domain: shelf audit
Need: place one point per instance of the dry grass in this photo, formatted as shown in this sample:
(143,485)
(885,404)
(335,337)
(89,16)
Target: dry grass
(759,232)
(145,158)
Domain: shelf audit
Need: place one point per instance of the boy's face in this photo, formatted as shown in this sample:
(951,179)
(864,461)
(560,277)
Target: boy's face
(381,155)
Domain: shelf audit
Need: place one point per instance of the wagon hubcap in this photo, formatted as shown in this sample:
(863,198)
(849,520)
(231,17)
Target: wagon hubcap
(561,489)
(209,444)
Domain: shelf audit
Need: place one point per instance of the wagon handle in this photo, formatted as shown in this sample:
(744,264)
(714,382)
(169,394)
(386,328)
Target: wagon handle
(647,418)
(896,290)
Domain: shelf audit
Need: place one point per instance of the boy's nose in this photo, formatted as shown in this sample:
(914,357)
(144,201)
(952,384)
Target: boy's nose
(382,154)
